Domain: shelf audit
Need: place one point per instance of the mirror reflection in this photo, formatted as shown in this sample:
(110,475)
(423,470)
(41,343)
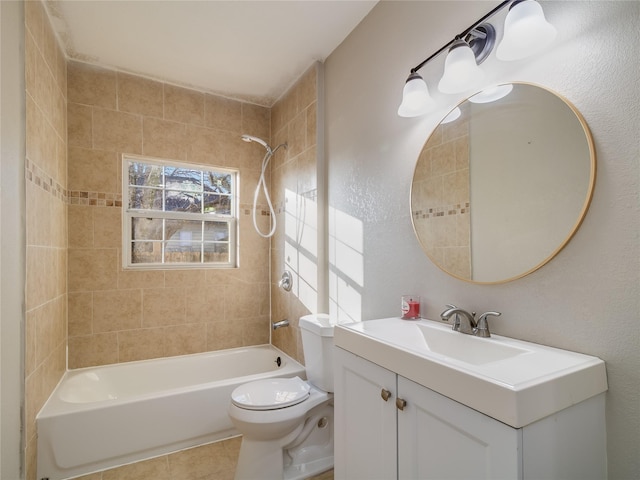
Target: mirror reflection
(502,185)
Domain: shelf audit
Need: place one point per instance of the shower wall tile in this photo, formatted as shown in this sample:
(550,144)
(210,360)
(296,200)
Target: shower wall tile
(163,306)
(183,105)
(93,170)
(115,131)
(255,120)
(206,146)
(140,344)
(186,339)
(182,311)
(80,306)
(293,180)
(92,350)
(79,126)
(139,95)
(166,139)
(226,114)
(115,310)
(108,231)
(90,85)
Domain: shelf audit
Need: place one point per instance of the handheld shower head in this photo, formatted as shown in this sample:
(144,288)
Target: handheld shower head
(251,138)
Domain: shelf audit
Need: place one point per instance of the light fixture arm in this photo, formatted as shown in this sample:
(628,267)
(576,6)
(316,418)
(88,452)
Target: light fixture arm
(462,35)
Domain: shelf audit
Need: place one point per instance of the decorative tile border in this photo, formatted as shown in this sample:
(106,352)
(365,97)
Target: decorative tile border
(457,209)
(95,199)
(33,173)
(40,178)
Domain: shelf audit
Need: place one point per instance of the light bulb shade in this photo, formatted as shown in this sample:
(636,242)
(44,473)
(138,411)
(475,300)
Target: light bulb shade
(416,100)
(526,31)
(452,116)
(461,72)
(492,94)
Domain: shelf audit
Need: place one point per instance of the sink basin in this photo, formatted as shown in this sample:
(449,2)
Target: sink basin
(466,348)
(510,380)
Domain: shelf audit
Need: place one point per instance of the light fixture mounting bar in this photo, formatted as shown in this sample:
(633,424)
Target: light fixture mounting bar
(462,35)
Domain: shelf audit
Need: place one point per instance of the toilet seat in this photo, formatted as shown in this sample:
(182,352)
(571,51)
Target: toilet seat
(271,394)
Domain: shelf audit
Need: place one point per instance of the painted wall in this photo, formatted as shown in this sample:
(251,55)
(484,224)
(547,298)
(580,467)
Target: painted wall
(587,299)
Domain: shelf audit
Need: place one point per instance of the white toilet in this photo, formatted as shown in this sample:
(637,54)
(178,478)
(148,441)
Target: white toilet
(287,423)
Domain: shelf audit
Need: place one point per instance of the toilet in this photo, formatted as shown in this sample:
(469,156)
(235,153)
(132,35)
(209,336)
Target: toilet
(287,423)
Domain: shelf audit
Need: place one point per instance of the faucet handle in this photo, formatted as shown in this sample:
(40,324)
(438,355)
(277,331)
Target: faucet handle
(482,329)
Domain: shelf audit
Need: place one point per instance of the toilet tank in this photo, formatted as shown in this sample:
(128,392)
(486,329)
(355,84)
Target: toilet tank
(317,345)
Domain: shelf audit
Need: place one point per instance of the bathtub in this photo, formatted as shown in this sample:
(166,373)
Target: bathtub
(102,417)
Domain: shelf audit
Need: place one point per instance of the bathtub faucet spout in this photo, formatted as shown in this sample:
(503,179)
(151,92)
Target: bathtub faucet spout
(281,323)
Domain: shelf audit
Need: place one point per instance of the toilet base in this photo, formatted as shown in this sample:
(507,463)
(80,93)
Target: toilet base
(304,453)
(316,467)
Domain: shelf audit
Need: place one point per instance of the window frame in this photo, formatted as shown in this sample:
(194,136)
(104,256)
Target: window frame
(128,214)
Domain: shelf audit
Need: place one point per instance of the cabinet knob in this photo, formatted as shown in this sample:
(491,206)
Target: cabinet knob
(401,403)
(385,394)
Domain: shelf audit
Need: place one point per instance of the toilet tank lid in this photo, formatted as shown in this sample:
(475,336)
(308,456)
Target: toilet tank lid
(318,323)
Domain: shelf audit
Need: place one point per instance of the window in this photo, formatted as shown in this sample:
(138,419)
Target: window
(178,215)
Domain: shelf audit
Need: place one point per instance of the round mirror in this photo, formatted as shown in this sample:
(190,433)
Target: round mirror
(503,183)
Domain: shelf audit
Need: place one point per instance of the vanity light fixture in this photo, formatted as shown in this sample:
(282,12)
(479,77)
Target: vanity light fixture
(461,72)
(526,32)
(492,94)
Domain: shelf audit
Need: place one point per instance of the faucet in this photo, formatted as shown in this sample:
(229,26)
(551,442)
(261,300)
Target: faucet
(482,329)
(466,325)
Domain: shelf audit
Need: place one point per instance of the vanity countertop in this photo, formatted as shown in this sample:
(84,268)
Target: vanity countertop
(513,381)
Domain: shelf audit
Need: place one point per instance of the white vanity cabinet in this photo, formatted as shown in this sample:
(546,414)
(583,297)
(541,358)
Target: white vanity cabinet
(416,433)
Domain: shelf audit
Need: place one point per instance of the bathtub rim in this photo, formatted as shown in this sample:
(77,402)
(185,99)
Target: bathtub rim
(55,406)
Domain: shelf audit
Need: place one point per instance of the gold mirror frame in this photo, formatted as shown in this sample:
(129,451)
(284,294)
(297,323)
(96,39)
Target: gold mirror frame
(430,237)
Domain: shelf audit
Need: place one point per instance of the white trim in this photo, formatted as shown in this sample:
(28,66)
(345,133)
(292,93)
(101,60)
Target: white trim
(127,215)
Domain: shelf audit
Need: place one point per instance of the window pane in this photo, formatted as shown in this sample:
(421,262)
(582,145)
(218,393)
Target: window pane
(218,182)
(216,232)
(216,252)
(146,228)
(145,174)
(182,252)
(145,198)
(183,231)
(218,204)
(179,178)
(183,202)
(146,252)
(172,199)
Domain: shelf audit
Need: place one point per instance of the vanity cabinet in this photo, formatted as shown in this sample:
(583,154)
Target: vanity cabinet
(387,426)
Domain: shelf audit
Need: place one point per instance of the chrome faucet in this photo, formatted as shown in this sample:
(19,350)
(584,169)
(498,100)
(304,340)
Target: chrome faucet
(482,329)
(465,325)
(465,322)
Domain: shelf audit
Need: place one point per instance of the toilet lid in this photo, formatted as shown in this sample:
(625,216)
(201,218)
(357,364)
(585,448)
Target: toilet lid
(270,394)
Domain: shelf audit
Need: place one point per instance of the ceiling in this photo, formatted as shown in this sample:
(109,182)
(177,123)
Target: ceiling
(249,50)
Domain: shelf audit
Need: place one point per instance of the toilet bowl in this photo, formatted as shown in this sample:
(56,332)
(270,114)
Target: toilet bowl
(287,423)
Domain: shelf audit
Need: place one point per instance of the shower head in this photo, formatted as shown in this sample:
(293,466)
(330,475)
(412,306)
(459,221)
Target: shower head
(251,138)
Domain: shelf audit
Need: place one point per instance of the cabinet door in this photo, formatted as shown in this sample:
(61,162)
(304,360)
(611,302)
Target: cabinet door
(439,438)
(365,424)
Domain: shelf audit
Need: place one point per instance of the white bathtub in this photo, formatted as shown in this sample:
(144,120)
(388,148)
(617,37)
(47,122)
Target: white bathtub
(102,417)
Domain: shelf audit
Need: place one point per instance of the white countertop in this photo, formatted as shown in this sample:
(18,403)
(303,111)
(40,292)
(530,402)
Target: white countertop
(513,381)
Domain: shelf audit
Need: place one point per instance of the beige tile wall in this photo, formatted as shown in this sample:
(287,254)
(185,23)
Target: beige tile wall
(440,198)
(118,315)
(46,219)
(293,121)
